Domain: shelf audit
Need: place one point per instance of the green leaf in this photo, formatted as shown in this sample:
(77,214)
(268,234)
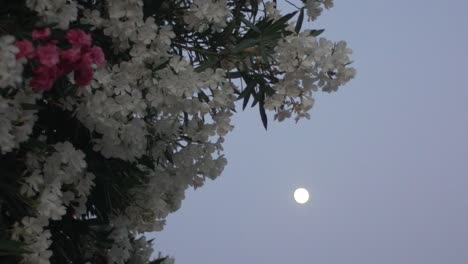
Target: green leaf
(161,66)
(246,101)
(203,97)
(233,75)
(263,116)
(147,161)
(249,24)
(282,22)
(246,43)
(12,248)
(186,119)
(255,97)
(168,156)
(264,24)
(158,261)
(206,65)
(248,90)
(316,32)
(300,21)
(27,106)
(264,56)
(254,7)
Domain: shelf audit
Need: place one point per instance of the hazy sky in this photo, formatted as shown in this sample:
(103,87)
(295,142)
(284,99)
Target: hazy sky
(385,159)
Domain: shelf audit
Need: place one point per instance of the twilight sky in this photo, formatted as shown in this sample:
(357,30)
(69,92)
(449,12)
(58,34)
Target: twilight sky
(385,159)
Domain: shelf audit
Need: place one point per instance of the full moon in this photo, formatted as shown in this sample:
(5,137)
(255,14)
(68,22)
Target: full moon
(301,195)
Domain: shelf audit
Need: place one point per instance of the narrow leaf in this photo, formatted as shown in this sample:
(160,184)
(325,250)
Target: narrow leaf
(246,43)
(248,90)
(285,18)
(161,66)
(300,21)
(316,32)
(254,6)
(158,261)
(263,115)
(264,56)
(203,97)
(11,247)
(246,101)
(186,119)
(168,156)
(206,64)
(27,106)
(233,75)
(255,97)
(249,24)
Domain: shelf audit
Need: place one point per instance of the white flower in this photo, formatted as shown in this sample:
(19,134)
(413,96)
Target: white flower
(16,123)
(73,158)
(32,226)
(84,184)
(142,251)
(11,70)
(40,253)
(47,177)
(32,183)
(309,64)
(92,17)
(31,231)
(205,13)
(223,121)
(7,140)
(178,64)
(61,12)
(121,247)
(51,203)
(314,7)
(271,11)
(147,32)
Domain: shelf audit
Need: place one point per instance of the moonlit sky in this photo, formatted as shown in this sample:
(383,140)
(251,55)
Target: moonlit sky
(385,159)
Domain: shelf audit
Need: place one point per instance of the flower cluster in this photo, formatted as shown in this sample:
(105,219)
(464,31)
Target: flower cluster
(54,183)
(309,64)
(314,7)
(61,12)
(151,121)
(205,13)
(53,62)
(11,70)
(16,119)
(271,11)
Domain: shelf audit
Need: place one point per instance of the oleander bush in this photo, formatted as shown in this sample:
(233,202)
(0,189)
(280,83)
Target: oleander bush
(111,109)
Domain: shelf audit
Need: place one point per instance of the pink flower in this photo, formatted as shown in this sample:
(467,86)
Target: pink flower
(71,55)
(44,77)
(78,38)
(66,67)
(26,49)
(41,34)
(48,55)
(83,74)
(93,56)
(69,60)
(97,56)
(86,58)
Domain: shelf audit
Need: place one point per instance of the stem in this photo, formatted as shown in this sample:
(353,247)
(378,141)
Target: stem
(292,4)
(197,50)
